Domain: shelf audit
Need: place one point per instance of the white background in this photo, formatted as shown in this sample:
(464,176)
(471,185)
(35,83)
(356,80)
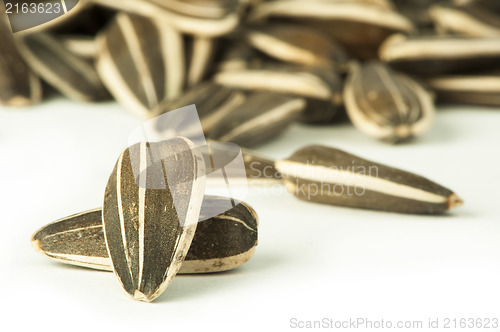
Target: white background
(312,262)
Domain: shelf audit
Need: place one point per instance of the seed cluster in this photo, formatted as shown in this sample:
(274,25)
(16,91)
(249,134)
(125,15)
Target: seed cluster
(252,68)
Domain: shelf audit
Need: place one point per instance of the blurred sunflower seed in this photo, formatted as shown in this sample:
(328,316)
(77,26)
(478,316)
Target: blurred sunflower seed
(434,55)
(70,74)
(387,105)
(262,116)
(19,86)
(141,61)
(469,19)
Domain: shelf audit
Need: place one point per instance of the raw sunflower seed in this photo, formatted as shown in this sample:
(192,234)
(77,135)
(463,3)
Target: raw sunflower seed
(80,45)
(220,243)
(141,61)
(18,85)
(261,117)
(435,55)
(298,44)
(479,89)
(417,11)
(212,9)
(327,175)
(358,25)
(305,82)
(387,105)
(201,27)
(70,74)
(148,245)
(213,103)
(259,168)
(469,19)
(201,54)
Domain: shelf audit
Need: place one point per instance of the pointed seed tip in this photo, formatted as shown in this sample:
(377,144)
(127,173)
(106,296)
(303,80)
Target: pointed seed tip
(454,201)
(139,296)
(36,244)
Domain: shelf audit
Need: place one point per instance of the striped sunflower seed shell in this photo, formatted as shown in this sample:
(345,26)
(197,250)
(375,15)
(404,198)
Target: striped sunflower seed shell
(387,105)
(220,243)
(213,103)
(73,76)
(436,55)
(141,61)
(261,117)
(148,245)
(259,169)
(478,89)
(188,24)
(306,82)
(469,19)
(298,44)
(328,175)
(18,84)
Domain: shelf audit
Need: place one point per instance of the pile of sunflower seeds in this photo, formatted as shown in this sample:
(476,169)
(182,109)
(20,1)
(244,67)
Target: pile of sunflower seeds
(256,66)
(252,68)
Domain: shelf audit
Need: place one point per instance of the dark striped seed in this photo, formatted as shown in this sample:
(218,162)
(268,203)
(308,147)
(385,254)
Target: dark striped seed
(150,212)
(328,175)
(220,243)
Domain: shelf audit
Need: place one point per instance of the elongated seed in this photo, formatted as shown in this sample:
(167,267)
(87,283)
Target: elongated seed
(150,212)
(70,74)
(187,24)
(479,89)
(436,55)
(262,116)
(18,84)
(220,243)
(328,175)
(299,81)
(141,62)
(468,19)
(213,103)
(387,105)
(259,168)
(202,53)
(298,44)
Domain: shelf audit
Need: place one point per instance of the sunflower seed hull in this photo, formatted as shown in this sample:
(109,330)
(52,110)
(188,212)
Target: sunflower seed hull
(18,85)
(260,168)
(220,243)
(148,245)
(327,175)
(261,117)
(140,62)
(387,105)
(71,75)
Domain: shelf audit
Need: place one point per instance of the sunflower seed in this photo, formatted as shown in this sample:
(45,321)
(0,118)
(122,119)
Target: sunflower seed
(261,117)
(298,44)
(435,55)
(187,24)
(213,103)
(479,89)
(71,75)
(468,19)
(147,245)
(318,111)
(220,243)
(81,45)
(213,9)
(141,62)
(259,168)
(327,175)
(18,85)
(305,82)
(202,53)
(236,56)
(359,26)
(417,11)
(387,105)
